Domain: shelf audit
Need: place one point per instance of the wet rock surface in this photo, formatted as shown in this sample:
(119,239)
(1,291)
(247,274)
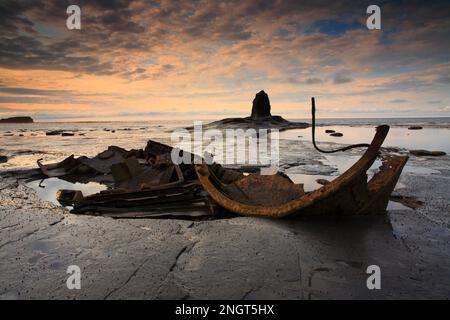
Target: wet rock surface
(420,153)
(54,133)
(230,258)
(239,258)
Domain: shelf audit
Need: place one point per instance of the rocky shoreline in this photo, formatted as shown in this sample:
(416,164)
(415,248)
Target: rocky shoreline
(184,259)
(322,258)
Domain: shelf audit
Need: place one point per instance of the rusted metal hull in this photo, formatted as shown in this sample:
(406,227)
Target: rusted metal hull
(145,183)
(349,194)
(187,200)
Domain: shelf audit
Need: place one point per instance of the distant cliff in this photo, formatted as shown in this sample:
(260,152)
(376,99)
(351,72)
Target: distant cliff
(17,120)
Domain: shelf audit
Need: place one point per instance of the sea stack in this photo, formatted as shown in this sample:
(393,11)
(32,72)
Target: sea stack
(260,118)
(261,106)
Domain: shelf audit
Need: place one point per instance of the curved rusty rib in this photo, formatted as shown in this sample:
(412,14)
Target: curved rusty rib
(303,202)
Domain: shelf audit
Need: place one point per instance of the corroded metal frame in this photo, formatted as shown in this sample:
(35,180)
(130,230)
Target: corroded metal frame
(348,194)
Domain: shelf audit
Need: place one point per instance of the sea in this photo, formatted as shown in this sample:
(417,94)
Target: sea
(24,144)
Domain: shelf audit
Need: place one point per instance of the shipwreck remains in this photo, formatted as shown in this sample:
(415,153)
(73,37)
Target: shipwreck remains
(146,183)
(141,183)
(276,196)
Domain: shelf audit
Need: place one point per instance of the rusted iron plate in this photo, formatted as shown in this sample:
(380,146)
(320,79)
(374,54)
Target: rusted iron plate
(155,148)
(383,183)
(59,169)
(78,169)
(272,190)
(172,201)
(72,167)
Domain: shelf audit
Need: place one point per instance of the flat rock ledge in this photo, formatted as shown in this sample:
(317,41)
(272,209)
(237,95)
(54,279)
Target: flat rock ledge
(240,258)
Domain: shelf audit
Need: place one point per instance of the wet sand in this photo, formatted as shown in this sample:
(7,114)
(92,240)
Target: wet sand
(237,258)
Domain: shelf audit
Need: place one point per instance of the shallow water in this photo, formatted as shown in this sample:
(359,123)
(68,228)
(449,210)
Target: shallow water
(92,137)
(437,139)
(298,159)
(46,189)
(392,205)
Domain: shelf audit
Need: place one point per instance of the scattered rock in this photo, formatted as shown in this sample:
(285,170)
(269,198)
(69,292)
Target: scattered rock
(410,202)
(106,154)
(415,128)
(113,131)
(419,153)
(391,149)
(336,134)
(53,133)
(68,197)
(329,131)
(3,159)
(322,181)
(20,135)
(67,134)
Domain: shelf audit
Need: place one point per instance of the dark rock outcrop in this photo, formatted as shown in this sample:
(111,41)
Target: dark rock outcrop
(336,134)
(415,128)
(260,118)
(427,153)
(3,159)
(322,181)
(261,106)
(17,120)
(54,133)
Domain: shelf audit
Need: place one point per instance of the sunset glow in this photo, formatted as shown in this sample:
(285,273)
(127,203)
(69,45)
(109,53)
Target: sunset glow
(138,60)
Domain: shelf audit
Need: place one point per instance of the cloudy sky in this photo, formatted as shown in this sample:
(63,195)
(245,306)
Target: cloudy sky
(202,59)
